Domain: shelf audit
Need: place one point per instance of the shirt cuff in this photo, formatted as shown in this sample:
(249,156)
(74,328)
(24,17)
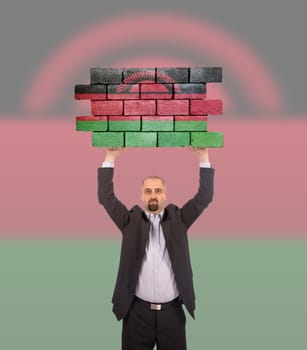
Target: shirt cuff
(205,165)
(107,165)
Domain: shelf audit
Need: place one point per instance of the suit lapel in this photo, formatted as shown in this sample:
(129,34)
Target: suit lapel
(166,227)
(144,236)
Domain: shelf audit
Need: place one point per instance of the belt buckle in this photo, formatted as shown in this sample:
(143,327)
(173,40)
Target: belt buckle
(156,307)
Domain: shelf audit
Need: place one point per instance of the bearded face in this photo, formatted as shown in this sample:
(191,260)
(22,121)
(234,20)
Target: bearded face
(153,194)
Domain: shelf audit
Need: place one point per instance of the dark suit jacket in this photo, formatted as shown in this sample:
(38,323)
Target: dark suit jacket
(134,226)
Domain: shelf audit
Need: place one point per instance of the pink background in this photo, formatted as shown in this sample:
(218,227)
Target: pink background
(48,186)
(48,170)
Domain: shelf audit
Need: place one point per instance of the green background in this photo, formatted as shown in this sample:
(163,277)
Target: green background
(55,294)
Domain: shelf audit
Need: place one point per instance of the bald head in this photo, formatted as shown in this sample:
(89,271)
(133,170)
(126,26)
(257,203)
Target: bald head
(153,194)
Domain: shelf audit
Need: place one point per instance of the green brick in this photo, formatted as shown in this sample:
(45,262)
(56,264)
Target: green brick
(173,139)
(124,125)
(207,139)
(107,139)
(190,125)
(89,125)
(141,139)
(151,125)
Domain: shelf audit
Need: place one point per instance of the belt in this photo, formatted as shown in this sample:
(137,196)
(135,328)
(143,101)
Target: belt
(156,306)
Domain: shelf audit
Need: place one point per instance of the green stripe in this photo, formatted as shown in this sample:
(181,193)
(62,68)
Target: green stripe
(88,125)
(190,125)
(124,125)
(151,125)
(107,139)
(173,139)
(141,139)
(207,139)
(57,295)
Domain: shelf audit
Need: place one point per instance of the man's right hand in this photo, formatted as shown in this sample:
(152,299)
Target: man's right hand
(112,153)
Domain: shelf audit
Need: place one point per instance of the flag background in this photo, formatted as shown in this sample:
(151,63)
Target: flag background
(59,250)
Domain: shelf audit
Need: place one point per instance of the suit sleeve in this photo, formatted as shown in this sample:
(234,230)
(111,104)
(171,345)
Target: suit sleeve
(195,206)
(114,207)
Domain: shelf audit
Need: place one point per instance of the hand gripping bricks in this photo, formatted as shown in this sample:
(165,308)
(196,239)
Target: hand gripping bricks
(150,107)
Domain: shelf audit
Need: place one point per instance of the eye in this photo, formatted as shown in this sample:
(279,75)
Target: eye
(147,191)
(158,190)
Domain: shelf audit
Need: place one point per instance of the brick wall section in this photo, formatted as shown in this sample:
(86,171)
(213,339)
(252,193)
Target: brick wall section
(150,107)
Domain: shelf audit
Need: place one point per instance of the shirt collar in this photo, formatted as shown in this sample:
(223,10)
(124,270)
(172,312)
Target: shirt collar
(148,214)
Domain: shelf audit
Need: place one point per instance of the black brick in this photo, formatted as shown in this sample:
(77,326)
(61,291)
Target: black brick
(206,75)
(192,88)
(106,75)
(90,89)
(179,75)
(137,75)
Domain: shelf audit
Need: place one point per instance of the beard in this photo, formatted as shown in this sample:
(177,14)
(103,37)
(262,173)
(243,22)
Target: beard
(153,205)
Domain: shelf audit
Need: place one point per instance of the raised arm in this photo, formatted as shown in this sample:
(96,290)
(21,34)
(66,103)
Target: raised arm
(114,207)
(194,207)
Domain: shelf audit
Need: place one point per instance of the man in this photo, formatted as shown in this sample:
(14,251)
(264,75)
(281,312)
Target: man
(155,275)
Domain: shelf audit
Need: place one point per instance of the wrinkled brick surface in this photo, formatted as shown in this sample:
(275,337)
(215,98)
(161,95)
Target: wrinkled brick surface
(150,107)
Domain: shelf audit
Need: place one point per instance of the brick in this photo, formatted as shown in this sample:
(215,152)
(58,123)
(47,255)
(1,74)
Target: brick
(123,92)
(173,139)
(204,107)
(107,139)
(156,91)
(206,75)
(91,123)
(120,123)
(173,107)
(158,123)
(137,75)
(139,107)
(190,91)
(207,139)
(90,92)
(141,139)
(106,75)
(107,107)
(172,74)
(198,123)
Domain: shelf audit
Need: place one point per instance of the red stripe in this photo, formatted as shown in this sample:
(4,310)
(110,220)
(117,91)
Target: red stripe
(191,118)
(91,118)
(124,118)
(158,118)
(90,96)
(257,193)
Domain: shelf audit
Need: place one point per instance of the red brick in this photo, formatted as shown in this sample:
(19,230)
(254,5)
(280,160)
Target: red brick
(123,92)
(139,107)
(107,107)
(204,107)
(173,107)
(90,96)
(91,118)
(156,91)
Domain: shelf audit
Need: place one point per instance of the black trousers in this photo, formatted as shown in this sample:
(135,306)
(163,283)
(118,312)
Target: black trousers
(143,328)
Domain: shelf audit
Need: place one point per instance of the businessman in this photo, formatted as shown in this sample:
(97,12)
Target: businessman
(154,276)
